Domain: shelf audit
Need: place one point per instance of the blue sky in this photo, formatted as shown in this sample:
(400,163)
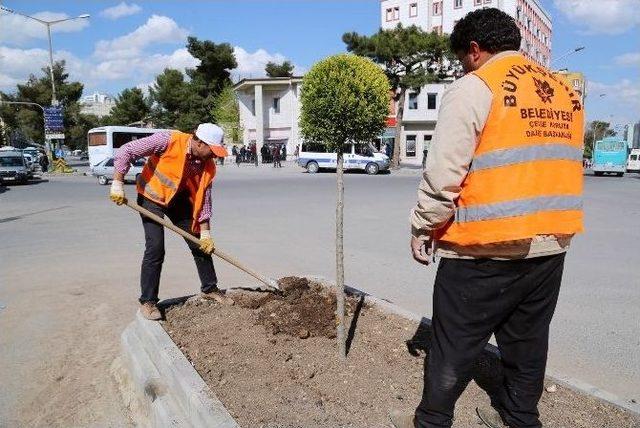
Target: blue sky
(127,44)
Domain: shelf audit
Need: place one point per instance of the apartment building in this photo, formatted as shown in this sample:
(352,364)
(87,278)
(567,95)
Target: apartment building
(575,80)
(98,104)
(421,107)
(441,16)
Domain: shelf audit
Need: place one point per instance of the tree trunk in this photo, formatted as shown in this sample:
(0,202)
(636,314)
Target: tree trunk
(342,350)
(395,162)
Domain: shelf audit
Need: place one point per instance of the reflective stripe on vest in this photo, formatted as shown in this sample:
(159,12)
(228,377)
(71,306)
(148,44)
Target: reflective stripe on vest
(166,181)
(144,185)
(504,157)
(517,208)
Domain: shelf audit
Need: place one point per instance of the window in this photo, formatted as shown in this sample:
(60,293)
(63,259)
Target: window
(389,15)
(122,138)
(276,105)
(437,8)
(477,2)
(576,83)
(396,13)
(426,145)
(518,13)
(413,9)
(431,101)
(98,139)
(413,101)
(457,4)
(411,146)
(253,107)
(109,162)
(487,1)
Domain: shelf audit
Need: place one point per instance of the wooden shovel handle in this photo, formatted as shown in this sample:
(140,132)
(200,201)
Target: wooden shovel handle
(227,258)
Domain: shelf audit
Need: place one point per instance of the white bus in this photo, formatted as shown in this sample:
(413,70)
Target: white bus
(633,163)
(105,140)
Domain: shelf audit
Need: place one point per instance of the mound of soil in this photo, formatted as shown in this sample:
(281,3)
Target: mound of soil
(303,309)
(267,376)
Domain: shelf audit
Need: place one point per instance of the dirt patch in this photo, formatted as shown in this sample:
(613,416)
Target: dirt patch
(303,309)
(267,376)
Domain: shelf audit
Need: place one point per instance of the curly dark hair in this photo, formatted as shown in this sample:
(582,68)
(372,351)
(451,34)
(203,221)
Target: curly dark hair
(492,29)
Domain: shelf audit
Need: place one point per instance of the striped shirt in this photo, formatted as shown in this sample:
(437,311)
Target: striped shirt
(157,144)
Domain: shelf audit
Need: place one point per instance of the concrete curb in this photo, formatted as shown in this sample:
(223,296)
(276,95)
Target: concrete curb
(574,384)
(171,393)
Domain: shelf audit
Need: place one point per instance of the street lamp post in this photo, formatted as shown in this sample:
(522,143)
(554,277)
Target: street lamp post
(572,51)
(48,24)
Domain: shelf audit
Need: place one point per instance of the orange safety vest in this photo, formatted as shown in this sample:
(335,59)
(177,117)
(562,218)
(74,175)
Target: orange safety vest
(161,177)
(525,178)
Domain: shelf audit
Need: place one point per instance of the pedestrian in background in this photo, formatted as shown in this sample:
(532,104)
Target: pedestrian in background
(284,153)
(44,162)
(500,200)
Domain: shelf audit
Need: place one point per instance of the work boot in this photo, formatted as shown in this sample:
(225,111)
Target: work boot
(218,296)
(402,420)
(150,311)
(490,417)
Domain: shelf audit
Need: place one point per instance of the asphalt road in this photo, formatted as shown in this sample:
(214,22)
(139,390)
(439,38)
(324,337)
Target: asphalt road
(69,266)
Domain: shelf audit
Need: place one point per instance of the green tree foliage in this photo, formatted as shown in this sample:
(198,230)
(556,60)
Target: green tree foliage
(28,119)
(168,95)
(226,113)
(279,70)
(345,98)
(596,130)
(130,107)
(206,80)
(410,57)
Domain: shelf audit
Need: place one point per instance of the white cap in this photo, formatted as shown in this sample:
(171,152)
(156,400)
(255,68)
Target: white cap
(212,135)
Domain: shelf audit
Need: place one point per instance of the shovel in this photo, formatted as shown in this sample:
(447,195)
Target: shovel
(227,258)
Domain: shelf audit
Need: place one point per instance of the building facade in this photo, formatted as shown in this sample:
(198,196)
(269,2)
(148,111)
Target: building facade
(421,107)
(442,15)
(575,80)
(98,104)
(270,111)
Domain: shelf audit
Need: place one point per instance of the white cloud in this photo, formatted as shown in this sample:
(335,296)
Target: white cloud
(620,103)
(157,29)
(629,59)
(601,16)
(17,64)
(252,64)
(121,10)
(16,29)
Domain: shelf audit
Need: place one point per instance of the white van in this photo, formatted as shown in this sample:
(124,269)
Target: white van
(104,141)
(633,163)
(360,156)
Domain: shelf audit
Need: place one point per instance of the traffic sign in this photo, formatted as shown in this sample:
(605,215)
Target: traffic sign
(58,136)
(53,120)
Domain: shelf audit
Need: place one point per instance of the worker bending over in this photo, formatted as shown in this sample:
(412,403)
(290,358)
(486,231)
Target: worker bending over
(176,182)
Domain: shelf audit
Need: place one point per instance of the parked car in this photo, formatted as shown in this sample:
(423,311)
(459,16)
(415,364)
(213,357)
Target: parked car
(361,156)
(13,167)
(31,163)
(104,170)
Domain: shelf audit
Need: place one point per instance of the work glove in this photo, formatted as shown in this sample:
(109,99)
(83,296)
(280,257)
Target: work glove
(207,245)
(117,192)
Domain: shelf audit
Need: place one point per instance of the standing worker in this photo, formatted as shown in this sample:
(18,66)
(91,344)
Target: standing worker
(500,199)
(175,181)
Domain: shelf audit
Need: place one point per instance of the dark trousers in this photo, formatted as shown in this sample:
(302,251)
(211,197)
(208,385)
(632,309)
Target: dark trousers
(472,299)
(179,212)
